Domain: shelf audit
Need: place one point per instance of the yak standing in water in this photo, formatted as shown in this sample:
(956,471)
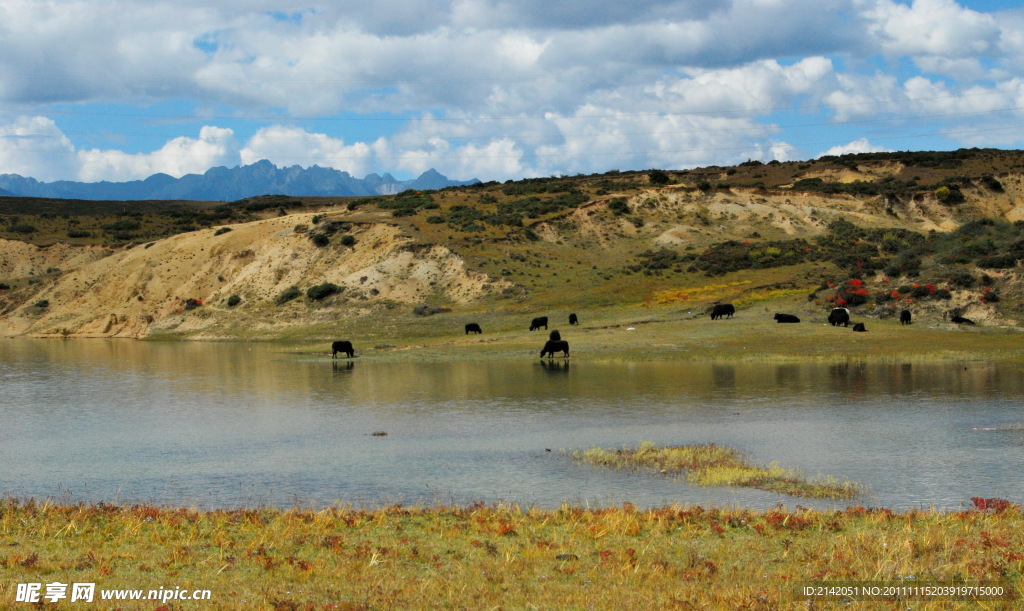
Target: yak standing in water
(553,346)
(342,346)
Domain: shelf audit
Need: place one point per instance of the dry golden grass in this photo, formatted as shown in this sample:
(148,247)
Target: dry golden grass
(501,557)
(714,465)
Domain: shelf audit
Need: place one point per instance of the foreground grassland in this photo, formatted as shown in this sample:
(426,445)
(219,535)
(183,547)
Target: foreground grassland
(715,465)
(504,557)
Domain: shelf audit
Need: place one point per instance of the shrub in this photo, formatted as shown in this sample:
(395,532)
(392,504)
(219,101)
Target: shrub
(322,291)
(963,279)
(42,303)
(288,295)
(23,229)
(78,233)
(658,177)
(348,240)
(989,296)
(425,310)
(618,206)
(319,240)
(234,300)
(992,183)
(997,262)
(220,231)
(949,195)
(123,225)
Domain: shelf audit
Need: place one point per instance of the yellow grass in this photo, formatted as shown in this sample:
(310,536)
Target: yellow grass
(484,557)
(714,465)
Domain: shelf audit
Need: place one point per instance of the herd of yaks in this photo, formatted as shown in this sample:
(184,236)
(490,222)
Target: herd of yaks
(838,316)
(555,343)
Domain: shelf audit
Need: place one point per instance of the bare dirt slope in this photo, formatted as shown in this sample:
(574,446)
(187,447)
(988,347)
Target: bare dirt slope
(141,290)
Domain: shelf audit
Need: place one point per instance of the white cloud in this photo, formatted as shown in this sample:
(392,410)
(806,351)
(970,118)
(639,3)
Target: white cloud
(214,147)
(35,146)
(857,146)
(931,27)
(492,88)
(293,146)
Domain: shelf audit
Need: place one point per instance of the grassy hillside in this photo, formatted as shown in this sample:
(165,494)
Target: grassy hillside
(938,233)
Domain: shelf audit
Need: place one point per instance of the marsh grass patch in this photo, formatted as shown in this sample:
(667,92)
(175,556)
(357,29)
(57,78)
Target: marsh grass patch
(715,465)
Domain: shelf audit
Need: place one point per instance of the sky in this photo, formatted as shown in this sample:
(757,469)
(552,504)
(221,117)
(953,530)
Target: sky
(94,90)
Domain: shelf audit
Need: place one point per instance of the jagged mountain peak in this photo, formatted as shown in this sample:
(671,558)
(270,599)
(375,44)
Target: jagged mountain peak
(227,184)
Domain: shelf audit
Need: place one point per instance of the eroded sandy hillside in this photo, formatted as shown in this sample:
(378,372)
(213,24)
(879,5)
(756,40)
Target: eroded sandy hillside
(142,290)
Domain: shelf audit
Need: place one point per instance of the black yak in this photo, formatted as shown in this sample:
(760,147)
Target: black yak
(540,321)
(859,328)
(905,317)
(573,320)
(722,309)
(472,327)
(342,346)
(839,316)
(555,336)
(786,318)
(552,346)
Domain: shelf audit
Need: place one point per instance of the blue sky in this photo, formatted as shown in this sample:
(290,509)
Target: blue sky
(497,89)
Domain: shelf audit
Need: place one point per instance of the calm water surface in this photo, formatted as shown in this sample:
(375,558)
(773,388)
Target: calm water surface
(228,425)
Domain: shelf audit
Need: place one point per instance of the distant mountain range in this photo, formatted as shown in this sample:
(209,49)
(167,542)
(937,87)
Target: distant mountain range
(228,184)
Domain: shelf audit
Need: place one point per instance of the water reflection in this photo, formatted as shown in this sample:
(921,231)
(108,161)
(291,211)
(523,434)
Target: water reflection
(555,366)
(233,424)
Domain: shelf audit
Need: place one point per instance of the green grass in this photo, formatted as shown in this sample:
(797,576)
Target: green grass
(714,465)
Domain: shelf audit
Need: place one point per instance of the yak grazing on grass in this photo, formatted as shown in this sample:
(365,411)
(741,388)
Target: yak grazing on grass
(552,346)
(537,323)
(722,309)
(473,328)
(786,318)
(905,317)
(342,346)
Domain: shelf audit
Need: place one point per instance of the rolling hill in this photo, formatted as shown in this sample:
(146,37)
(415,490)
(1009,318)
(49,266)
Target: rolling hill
(939,232)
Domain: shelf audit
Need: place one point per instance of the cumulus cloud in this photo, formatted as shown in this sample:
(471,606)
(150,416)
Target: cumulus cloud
(857,146)
(214,147)
(490,88)
(34,146)
(931,28)
(295,146)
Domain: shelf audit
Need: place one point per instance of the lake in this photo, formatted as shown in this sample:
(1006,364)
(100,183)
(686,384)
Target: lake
(227,425)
